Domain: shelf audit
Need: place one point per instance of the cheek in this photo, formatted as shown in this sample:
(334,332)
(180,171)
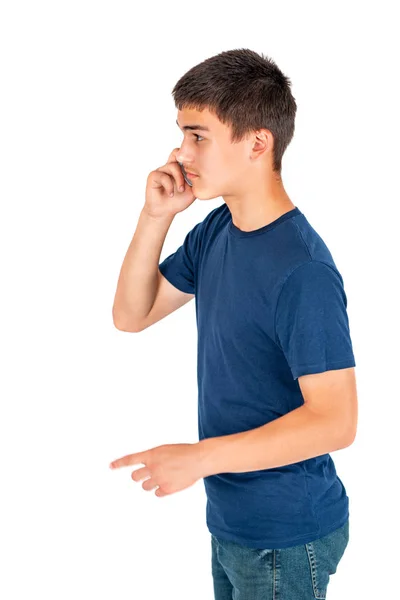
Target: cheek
(219,161)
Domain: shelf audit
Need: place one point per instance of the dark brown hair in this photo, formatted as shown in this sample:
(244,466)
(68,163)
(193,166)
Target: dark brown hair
(246,91)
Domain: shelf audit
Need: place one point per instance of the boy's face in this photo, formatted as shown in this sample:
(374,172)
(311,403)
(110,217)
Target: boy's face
(222,166)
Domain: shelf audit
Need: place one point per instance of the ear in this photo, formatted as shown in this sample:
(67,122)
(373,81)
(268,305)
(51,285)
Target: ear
(263,142)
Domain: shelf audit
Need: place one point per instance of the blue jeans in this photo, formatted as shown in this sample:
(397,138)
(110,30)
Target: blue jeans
(296,573)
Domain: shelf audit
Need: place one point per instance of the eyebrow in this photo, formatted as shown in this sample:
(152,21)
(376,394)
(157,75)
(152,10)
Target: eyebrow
(190,127)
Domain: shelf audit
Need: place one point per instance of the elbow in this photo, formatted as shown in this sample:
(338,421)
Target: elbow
(123,324)
(350,436)
(126,328)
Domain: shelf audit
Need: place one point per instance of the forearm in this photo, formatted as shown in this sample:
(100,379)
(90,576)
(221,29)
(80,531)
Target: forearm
(296,436)
(138,279)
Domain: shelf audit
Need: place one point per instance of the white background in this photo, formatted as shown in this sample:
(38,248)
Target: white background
(86,113)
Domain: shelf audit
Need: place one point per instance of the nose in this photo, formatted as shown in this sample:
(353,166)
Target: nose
(182,156)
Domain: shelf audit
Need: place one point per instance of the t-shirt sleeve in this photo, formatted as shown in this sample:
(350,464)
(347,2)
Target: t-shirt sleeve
(180,267)
(311,321)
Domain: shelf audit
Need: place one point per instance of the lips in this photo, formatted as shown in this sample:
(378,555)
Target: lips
(191,175)
(190,172)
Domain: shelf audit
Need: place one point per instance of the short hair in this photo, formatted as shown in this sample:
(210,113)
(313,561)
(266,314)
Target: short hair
(246,91)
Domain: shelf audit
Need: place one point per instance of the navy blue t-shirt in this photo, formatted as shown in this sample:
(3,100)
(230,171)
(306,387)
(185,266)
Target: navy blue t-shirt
(270,307)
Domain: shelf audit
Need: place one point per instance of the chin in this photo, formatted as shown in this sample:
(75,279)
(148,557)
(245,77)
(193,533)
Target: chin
(204,194)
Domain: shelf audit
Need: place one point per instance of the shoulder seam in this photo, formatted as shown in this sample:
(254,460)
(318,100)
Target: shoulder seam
(302,237)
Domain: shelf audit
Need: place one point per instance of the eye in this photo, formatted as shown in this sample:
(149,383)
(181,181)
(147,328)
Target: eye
(198,136)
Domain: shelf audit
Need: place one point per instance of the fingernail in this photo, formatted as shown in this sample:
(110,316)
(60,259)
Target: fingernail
(181,188)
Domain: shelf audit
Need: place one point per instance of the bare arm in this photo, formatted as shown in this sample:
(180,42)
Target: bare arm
(144,296)
(138,279)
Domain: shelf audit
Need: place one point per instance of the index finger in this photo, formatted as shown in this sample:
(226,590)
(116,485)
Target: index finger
(129,459)
(172,156)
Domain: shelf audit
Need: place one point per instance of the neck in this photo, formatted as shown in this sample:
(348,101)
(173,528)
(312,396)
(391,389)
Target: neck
(258,205)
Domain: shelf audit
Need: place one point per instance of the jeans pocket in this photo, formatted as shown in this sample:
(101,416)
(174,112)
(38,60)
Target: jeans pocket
(324,555)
